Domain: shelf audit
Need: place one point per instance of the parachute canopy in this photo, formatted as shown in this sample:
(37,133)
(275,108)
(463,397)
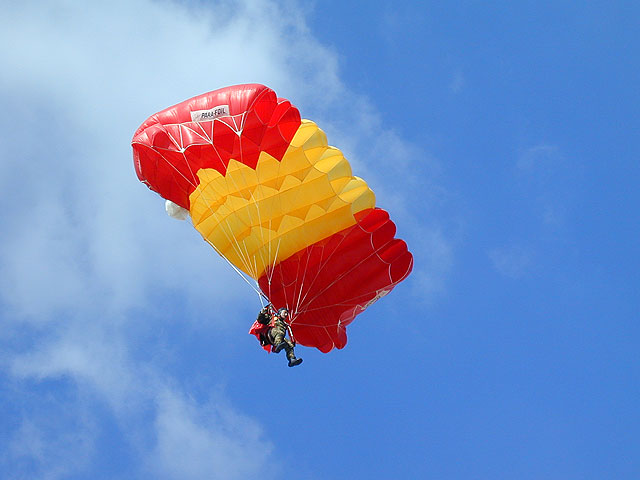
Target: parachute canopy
(266,191)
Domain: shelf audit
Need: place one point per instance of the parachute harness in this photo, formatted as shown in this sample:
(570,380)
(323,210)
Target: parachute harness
(273,312)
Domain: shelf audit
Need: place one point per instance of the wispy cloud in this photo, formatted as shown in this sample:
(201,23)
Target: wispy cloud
(39,447)
(512,261)
(408,182)
(433,253)
(546,184)
(545,174)
(457,82)
(207,441)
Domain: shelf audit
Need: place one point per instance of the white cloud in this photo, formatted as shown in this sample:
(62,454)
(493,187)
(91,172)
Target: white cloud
(87,253)
(40,445)
(210,441)
(93,354)
(87,250)
(85,228)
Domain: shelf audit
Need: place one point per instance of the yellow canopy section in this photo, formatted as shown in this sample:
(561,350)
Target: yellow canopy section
(257,218)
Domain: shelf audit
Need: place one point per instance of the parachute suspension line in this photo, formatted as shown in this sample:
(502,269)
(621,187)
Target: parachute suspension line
(321,265)
(275,258)
(228,231)
(302,295)
(302,282)
(231,239)
(251,266)
(345,273)
(229,235)
(194,185)
(346,302)
(272,270)
(194,182)
(299,283)
(240,249)
(308,283)
(182,151)
(253,203)
(305,281)
(291,303)
(256,205)
(300,276)
(237,270)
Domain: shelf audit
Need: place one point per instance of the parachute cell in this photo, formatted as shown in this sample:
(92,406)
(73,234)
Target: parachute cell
(266,190)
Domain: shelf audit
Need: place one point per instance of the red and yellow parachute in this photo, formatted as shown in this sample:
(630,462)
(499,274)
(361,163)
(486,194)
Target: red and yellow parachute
(265,189)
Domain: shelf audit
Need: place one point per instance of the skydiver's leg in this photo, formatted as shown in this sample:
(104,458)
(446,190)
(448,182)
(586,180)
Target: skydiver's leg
(277,338)
(291,356)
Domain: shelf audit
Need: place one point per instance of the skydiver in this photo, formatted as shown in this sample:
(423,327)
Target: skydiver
(270,328)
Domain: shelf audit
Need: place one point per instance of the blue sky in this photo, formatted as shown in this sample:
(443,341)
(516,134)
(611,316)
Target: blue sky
(510,352)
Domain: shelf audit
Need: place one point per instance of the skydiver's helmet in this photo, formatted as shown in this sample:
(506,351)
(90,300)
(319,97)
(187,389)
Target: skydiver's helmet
(283,313)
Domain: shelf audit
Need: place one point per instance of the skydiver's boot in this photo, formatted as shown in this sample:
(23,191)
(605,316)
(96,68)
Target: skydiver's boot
(293,361)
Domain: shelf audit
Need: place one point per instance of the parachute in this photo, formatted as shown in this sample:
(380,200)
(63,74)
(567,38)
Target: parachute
(267,192)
